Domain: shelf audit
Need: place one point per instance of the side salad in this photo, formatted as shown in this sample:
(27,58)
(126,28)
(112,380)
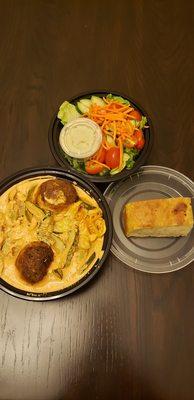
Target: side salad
(122,133)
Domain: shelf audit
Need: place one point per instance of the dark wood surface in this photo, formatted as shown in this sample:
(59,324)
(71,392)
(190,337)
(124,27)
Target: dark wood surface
(127,335)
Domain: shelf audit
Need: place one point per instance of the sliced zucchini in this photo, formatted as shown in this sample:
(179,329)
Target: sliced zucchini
(90,259)
(58,272)
(72,249)
(34,210)
(87,206)
(48,214)
(30,193)
(86,102)
(62,225)
(6,248)
(82,108)
(84,105)
(59,243)
(28,215)
(97,100)
(1,265)
(87,263)
(46,226)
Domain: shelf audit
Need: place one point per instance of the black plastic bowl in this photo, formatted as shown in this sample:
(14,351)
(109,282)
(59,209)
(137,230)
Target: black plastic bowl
(98,196)
(56,126)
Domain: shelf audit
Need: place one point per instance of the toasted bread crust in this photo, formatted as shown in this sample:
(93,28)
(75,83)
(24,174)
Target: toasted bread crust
(158,217)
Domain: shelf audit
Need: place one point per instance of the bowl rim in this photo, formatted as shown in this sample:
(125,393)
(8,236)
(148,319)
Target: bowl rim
(148,133)
(27,173)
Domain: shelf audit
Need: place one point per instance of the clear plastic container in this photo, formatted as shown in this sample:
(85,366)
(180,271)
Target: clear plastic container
(80,138)
(154,255)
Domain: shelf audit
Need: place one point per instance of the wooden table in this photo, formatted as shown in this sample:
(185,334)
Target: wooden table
(127,335)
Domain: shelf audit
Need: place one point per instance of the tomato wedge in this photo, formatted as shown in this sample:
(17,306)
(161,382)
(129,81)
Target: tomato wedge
(100,155)
(93,168)
(112,157)
(135,114)
(139,138)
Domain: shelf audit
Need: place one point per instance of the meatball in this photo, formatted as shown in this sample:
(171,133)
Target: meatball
(34,260)
(56,195)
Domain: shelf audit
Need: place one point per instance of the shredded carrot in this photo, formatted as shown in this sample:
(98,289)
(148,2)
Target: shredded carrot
(105,146)
(103,124)
(121,152)
(99,163)
(114,118)
(120,106)
(99,153)
(128,110)
(114,130)
(107,100)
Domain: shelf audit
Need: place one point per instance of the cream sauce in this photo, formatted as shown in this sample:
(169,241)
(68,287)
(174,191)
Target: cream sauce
(20,233)
(80,138)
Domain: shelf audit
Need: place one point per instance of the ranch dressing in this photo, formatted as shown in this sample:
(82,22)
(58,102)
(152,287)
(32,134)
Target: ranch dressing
(80,138)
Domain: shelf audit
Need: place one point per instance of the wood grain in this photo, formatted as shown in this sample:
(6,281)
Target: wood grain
(127,334)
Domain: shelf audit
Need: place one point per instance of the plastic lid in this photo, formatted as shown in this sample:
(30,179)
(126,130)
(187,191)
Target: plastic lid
(155,255)
(80,138)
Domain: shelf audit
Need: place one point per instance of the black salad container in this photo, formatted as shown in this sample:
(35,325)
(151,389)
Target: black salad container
(90,189)
(58,154)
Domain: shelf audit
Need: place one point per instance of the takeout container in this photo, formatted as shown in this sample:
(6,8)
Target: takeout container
(56,127)
(98,196)
(150,254)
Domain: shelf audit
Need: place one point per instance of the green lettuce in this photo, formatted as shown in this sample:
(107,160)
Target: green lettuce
(79,165)
(139,124)
(117,98)
(142,123)
(67,112)
(132,155)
